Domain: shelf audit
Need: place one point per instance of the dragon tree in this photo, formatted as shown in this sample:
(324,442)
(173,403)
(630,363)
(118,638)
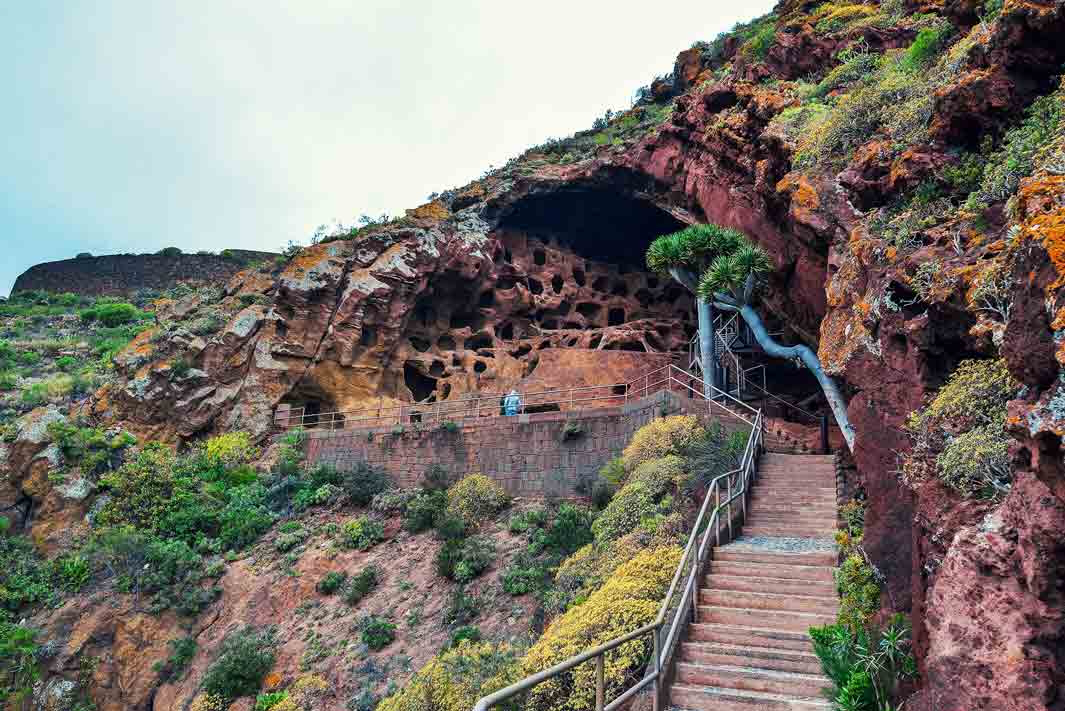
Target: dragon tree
(725,270)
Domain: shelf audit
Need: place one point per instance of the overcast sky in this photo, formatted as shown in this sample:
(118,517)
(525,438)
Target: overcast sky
(130,126)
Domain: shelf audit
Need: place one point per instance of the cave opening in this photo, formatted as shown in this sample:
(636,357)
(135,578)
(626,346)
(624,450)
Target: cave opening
(598,223)
(421,386)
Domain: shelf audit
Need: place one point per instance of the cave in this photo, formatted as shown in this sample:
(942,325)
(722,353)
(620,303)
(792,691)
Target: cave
(421,386)
(601,224)
(615,317)
(311,401)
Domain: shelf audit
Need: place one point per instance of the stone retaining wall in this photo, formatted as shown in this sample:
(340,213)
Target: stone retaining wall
(528,455)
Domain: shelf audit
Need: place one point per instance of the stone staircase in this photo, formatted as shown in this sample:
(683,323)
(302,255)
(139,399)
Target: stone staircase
(748,648)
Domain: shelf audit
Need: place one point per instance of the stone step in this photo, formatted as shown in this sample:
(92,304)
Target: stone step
(750,656)
(752,679)
(765,600)
(816,573)
(758,636)
(788,532)
(760,517)
(794,502)
(782,507)
(782,586)
(700,698)
(766,619)
(737,553)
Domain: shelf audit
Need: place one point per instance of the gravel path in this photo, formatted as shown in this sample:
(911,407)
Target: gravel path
(786,545)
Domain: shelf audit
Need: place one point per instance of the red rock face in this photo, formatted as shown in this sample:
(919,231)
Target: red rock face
(466,293)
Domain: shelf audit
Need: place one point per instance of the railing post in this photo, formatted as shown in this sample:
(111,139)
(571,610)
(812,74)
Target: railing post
(657,686)
(824,434)
(728,479)
(717,510)
(600,683)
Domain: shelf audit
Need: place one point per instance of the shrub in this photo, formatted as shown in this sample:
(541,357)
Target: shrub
(169,251)
(18,663)
(8,380)
(424,510)
(72,572)
(522,577)
(436,478)
(331,582)
(34,395)
(667,435)
(245,516)
(859,591)
(394,501)
(267,701)
(455,679)
(571,529)
(463,560)
(66,363)
(866,669)
(977,462)
(628,600)
(24,577)
(476,499)
(362,533)
(377,633)
(639,500)
(182,651)
(1016,158)
(364,482)
(759,35)
(288,540)
(361,585)
(929,42)
(613,472)
(112,315)
(466,633)
(245,658)
(714,454)
(231,449)
(523,521)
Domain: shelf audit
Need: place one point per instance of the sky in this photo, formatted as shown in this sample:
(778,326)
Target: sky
(131,126)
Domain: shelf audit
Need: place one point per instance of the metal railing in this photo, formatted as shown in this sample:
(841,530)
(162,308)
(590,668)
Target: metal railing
(672,619)
(665,378)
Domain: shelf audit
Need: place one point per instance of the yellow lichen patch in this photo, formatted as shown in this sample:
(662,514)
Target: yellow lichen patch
(141,344)
(803,194)
(434,211)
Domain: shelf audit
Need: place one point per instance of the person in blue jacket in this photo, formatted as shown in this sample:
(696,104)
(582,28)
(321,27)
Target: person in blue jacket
(512,403)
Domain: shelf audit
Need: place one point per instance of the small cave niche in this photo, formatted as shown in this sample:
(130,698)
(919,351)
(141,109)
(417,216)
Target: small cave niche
(652,282)
(536,286)
(486,353)
(424,314)
(466,320)
(505,283)
(563,308)
(578,277)
(436,369)
(550,324)
(479,366)
(445,343)
(601,284)
(634,346)
(478,341)
(522,351)
(574,325)
(486,299)
(653,342)
(615,317)
(589,310)
(530,366)
(572,342)
(280,329)
(596,340)
(506,331)
(419,344)
(644,297)
(368,336)
(539,257)
(508,257)
(445,391)
(557,284)
(456,362)
(544,345)
(546,407)
(421,386)
(315,404)
(672,294)
(620,288)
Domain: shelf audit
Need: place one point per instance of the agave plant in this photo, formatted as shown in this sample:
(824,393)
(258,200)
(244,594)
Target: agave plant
(725,270)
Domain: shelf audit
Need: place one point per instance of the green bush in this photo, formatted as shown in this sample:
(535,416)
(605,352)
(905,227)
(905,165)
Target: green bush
(267,701)
(112,315)
(169,251)
(66,363)
(72,572)
(866,669)
(8,380)
(424,510)
(463,560)
(361,585)
(930,41)
(522,577)
(182,650)
(642,499)
(18,663)
(394,501)
(24,578)
(859,591)
(476,499)
(34,395)
(466,633)
(570,530)
(364,482)
(455,679)
(246,656)
(377,633)
(362,533)
(331,582)
(523,521)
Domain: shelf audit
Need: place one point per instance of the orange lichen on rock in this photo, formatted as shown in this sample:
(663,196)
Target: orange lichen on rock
(1041,207)
(434,211)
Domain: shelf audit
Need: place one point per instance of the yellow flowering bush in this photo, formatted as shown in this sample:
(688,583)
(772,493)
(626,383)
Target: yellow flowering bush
(642,498)
(455,679)
(209,702)
(475,499)
(231,449)
(667,435)
(628,600)
(302,694)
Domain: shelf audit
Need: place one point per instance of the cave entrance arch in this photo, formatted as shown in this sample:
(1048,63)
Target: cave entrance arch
(311,406)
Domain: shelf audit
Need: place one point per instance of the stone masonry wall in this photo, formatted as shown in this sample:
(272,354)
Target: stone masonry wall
(123,274)
(526,454)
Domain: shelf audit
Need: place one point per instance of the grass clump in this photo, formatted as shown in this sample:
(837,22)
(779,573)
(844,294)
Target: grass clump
(245,658)
(376,632)
(361,584)
(362,533)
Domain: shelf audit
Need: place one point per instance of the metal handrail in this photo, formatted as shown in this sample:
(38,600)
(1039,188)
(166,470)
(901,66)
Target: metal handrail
(737,483)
